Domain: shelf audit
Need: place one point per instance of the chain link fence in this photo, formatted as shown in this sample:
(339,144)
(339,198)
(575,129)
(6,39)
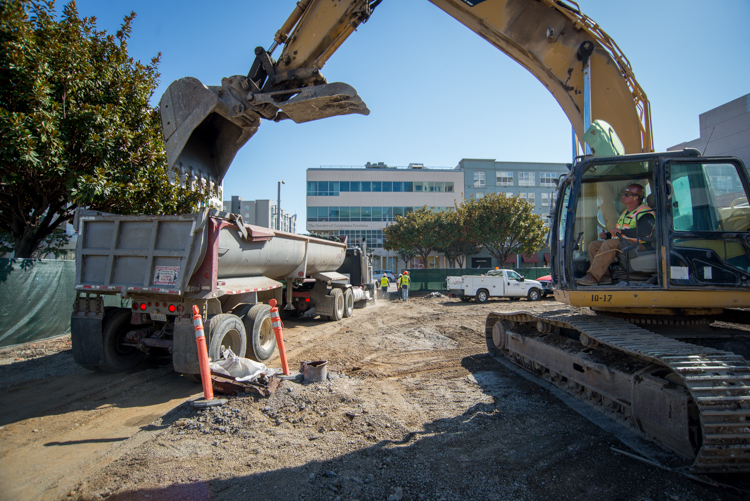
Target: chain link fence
(37,299)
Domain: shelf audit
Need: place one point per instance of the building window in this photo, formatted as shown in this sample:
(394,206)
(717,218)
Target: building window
(545,199)
(504,179)
(448,187)
(509,194)
(526,179)
(547,179)
(532,199)
(522,195)
(480,180)
(479,194)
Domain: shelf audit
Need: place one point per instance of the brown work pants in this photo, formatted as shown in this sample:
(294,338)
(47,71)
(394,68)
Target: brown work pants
(602,253)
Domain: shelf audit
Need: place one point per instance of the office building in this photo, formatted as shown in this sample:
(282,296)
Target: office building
(358,202)
(260,213)
(533,181)
(724,130)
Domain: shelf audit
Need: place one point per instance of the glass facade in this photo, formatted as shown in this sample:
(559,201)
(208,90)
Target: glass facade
(362,213)
(334,188)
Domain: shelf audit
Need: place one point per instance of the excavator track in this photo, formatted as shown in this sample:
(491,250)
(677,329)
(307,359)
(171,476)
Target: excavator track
(718,382)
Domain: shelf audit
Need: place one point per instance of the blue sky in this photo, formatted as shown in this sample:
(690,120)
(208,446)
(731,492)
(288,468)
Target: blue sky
(437,92)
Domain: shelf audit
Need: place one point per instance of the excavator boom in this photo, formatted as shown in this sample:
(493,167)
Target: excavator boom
(205,126)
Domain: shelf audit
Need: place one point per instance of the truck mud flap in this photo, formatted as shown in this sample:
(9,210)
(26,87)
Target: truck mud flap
(184,348)
(86,336)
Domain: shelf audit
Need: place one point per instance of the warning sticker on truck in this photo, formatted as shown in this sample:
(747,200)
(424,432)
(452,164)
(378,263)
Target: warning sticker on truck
(166,275)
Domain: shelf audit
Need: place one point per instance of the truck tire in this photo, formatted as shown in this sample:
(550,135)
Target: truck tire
(482,295)
(534,294)
(225,331)
(338,305)
(259,327)
(348,303)
(118,358)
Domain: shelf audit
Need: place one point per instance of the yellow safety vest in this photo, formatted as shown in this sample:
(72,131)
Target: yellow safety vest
(628,220)
(384,281)
(405,281)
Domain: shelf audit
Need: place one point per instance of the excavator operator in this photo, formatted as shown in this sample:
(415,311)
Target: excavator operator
(635,223)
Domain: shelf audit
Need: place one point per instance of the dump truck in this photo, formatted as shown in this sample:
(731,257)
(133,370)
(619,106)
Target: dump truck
(167,264)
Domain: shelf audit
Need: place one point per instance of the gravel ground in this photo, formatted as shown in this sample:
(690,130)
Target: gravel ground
(413,409)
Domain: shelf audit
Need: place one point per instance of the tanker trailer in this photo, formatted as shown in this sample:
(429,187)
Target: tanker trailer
(166,264)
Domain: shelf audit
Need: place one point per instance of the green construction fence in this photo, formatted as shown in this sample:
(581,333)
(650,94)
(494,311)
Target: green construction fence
(435,279)
(36,299)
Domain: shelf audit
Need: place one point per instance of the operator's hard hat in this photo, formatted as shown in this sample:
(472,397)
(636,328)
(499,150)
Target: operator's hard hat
(385,275)
(406,273)
(497,267)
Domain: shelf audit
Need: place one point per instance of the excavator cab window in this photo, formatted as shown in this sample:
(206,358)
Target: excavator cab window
(598,207)
(710,218)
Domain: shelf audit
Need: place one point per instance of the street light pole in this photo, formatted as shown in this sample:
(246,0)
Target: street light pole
(278,207)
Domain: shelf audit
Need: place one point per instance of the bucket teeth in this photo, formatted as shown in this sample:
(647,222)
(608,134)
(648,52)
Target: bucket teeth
(204,127)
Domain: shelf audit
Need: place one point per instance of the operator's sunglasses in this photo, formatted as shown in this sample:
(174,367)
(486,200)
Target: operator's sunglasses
(629,194)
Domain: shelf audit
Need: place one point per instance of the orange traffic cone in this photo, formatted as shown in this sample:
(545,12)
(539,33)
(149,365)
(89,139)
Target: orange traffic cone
(200,339)
(278,329)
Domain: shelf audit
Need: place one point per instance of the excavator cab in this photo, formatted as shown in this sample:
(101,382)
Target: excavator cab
(700,238)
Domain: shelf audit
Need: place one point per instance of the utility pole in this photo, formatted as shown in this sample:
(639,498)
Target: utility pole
(278,207)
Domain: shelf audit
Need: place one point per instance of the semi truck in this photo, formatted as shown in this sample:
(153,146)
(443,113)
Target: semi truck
(166,264)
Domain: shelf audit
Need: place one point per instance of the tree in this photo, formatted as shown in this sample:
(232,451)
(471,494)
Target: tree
(504,225)
(456,241)
(76,126)
(418,232)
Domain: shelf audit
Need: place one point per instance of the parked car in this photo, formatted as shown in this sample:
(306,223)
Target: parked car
(377,274)
(546,282)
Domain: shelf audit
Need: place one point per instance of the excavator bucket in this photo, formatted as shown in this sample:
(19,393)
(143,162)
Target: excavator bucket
(204,127)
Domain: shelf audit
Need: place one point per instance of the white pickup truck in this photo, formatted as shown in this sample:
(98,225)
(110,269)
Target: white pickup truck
(497,283)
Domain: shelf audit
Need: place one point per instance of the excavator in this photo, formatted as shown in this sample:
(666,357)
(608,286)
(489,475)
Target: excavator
(662,347)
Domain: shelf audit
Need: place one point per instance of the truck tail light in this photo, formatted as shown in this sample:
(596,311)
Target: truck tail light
(172,308)
(143,306)
(135,306)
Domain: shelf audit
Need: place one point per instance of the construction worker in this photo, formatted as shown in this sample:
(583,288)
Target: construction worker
(384,284)
(405,286)
(398,286)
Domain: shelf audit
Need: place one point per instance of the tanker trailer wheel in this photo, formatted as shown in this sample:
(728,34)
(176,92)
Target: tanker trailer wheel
(225,331)
(348,303)
(534,294)
(259,328)
(338,305)
(118,357)
(482,295)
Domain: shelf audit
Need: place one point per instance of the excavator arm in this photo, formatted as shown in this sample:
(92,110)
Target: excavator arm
(204,127)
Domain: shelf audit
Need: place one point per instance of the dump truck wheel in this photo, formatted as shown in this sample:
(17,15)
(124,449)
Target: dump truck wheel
(338,305)
(225,331)
(118,358)
(193,378)
(482,296)
(348,303)
(259,327)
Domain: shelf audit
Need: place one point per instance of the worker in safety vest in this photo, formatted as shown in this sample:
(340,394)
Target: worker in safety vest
(398,286)
(636,224)
(405,280)
(384,282)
